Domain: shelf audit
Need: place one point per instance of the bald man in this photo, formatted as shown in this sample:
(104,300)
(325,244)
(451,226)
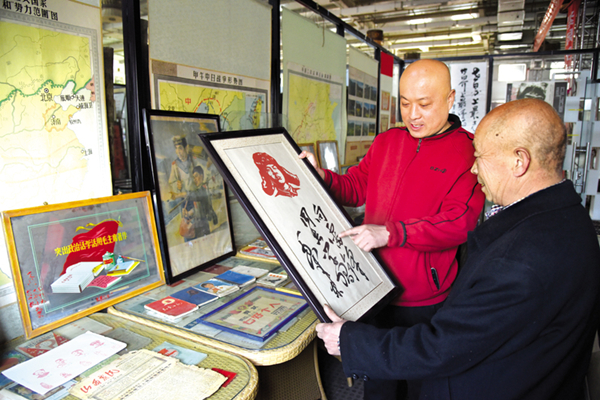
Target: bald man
(520,320)
(421,200)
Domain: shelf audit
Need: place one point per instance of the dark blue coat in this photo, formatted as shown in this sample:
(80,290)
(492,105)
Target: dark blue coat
(519,321)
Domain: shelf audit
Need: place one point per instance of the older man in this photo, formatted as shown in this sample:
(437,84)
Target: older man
(421,200)
(521,317)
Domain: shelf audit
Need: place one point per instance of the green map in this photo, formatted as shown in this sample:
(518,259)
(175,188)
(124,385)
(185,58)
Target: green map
(313,109)
(52,130)
(239,109)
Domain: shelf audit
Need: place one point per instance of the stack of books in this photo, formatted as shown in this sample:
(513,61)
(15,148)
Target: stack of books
(77,277)
(273,280)
(195,296)
(170,309)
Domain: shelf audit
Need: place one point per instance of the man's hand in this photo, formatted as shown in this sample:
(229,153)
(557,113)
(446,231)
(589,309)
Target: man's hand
(330,333)
(368,237)
(313,161)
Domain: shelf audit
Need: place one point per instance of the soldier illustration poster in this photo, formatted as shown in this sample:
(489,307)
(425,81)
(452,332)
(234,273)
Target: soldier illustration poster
(190,190)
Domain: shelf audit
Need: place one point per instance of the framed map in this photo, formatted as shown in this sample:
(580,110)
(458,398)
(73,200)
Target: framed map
(289,205)
(191,197)
(241,102)
(53,138)
(73,259)
(257,314)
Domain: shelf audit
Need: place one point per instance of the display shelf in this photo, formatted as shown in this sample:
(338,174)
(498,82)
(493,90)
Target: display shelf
(285,345)
(243,386)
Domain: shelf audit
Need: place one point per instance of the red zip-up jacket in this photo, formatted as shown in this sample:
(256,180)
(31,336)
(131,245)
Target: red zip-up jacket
(423,191)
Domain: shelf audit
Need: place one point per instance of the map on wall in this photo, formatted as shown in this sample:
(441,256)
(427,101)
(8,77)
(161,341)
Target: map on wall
(53,141)
(314,104)
(242,102)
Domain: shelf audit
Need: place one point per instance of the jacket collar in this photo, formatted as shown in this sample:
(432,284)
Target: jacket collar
(454,125)
(552,198)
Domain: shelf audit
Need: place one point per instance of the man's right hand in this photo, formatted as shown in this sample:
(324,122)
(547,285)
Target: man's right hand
(313,161)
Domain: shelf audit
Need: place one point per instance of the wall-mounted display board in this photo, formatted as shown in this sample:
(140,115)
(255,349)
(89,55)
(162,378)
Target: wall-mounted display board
(314,68)
(53,137)
(225,71)
(191,197)
(362,95)
(470,81)
(290,206)
(73,259)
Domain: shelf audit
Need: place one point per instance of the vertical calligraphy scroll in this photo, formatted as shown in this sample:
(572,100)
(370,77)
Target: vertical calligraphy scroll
(469,80)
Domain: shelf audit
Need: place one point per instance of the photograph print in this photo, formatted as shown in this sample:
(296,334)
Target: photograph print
(192,200)
(298,218)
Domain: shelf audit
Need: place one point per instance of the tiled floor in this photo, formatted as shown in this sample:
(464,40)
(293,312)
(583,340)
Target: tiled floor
(334,381)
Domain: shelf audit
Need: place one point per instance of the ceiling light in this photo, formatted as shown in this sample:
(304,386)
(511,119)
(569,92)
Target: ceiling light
(512,46)
(419,21)
(510,36)
(460,17)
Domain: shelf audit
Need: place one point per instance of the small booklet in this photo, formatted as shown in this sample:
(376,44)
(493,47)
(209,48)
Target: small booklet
(171,307)
(104,281)
(218,287)
(273,280)
(258,250)
(236,278)
(123,268)
(195,296)
(253,271)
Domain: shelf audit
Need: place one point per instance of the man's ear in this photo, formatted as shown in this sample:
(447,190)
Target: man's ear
(522,161)
(450,99)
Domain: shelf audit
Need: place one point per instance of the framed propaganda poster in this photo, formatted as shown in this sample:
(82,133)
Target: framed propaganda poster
(72,259)
(289,205)
(191,199)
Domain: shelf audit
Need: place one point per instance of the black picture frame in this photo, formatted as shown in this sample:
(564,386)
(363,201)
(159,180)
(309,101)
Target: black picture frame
(182,261)
(235,156)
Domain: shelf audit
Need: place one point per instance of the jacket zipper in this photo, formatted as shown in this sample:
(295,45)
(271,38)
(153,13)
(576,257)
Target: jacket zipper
(419,146)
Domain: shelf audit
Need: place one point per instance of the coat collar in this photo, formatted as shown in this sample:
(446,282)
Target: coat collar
(552,198)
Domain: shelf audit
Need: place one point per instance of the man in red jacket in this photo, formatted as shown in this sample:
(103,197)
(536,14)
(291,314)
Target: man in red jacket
(421,200)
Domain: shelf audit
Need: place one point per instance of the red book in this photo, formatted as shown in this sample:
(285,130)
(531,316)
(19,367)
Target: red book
(171,306)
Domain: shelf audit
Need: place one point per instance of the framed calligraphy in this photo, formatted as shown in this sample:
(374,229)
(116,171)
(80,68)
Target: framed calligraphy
(72,259)
(194,220)
(257,314)
(290,206)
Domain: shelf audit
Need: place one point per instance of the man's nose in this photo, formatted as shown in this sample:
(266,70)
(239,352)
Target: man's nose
(474,168)
(413,112)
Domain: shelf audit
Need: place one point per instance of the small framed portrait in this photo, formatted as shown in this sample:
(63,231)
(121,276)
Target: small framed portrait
(328,155)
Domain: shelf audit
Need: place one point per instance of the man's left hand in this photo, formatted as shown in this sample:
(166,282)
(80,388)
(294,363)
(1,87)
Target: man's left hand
(368,237)
(330,333)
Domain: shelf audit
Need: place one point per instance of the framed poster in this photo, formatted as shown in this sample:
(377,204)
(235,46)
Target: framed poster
(191,198)
(292,209)
(328,156)
(257,314)
(73,259)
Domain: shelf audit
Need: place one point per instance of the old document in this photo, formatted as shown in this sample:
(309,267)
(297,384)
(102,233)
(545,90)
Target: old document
(146,375)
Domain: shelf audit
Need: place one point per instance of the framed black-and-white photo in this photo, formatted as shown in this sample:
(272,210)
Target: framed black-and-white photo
(328,155)
(191,198)
(290,206)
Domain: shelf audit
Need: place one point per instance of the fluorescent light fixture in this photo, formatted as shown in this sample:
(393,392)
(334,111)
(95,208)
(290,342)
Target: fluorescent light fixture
(512,72)
(557,65)
(512,46)
(460,17)
(419,21)
(510,36)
